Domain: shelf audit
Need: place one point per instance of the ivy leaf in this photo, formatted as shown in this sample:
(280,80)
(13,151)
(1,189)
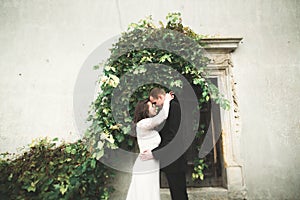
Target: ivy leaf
(100,145)
(130,142)
(96,67)
(207,98)
(68,149)
(99,154)
(146,58)
(63,189)
(201,176)
(93,164)
(126,130)
(10,177)
(73,151)
(120,137)
(31,189)
(127,119)
(177,83)
(165,57)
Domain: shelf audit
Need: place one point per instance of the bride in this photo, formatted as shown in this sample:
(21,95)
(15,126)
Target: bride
(145,174)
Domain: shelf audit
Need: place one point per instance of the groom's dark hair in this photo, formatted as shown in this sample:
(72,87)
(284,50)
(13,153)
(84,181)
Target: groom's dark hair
(157,91)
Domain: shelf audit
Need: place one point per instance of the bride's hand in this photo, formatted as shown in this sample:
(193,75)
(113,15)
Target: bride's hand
(169,97)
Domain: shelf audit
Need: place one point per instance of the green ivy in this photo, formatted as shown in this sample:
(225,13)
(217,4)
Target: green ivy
(199,166)
(131,56)
(48,171)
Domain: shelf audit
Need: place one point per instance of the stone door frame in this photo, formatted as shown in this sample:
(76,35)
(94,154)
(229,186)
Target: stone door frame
(219,50)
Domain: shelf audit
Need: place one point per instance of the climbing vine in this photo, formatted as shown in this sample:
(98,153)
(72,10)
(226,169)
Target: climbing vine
(142,46)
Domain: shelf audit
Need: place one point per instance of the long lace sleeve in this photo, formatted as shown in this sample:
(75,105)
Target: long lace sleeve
(152,122)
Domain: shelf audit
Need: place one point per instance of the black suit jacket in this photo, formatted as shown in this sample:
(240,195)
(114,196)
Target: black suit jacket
(170,150)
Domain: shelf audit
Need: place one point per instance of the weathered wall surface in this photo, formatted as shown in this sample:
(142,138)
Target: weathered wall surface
(43,45)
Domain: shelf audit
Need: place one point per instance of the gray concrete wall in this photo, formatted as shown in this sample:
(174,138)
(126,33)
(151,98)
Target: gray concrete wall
(43,45)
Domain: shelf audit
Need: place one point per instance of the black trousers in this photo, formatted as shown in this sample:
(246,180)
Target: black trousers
(177,184)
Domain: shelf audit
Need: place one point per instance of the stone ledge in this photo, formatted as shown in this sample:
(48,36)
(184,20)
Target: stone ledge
(225,45)
(207,193)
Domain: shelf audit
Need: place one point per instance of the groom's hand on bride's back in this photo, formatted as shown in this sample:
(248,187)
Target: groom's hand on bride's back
(146,155)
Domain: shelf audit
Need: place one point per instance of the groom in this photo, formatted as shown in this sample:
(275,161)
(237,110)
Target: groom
(175,171)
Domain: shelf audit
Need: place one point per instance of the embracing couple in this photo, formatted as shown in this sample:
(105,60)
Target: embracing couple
(153,137)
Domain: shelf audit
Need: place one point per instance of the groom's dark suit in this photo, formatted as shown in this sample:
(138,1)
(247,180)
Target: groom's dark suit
(171,157)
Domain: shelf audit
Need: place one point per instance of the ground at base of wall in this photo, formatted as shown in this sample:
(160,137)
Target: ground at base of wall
(208,193)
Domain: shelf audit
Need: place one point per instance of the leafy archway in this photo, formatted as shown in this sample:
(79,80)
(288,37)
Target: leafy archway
(171,52)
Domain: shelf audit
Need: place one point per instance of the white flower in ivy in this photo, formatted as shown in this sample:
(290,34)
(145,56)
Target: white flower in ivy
(114,80)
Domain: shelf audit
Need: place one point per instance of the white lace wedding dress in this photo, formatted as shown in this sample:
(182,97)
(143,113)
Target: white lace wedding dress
(145,174)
